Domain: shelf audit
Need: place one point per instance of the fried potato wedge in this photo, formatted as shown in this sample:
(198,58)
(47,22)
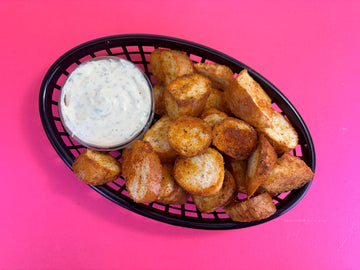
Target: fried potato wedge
(187,95)
(216,100)
(248,101)
(260,164)
(256,208)
(238,169)
(201,175)
(213,116)
(219,75)
(234,138)
(167,65)
(142,172)
(159,99)
(208,204)
(171,192)
(281,133)
(289,173)
(189,136)
(96,167)
(157,137)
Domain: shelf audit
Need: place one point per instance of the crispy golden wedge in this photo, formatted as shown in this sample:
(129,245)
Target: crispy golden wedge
(234,138)
(281,133)
(159,99)
(167,65)
(157,137)
(200,175)
(171,192)
(213,116)
(186,95)
(219,75)
(96,167)
(238,169)
(216,100)
(142,172)
(260,164)
(208,204)
(189,136)
(248,101)
(256,208)
(289,172)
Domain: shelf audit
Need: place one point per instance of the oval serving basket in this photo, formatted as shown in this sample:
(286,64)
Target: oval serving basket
(137,48)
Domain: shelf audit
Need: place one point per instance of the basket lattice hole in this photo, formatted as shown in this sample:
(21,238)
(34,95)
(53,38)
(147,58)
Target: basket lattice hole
(132,48)
(174,210)
(60,82)
(195,58)
(72,67)
(222,215)
(101,53)
(66,140)
(276,107)
(55,96)
(114,186)
(207,215)
(159,206)
(241,196)
(85,58)
(117,50)
(148,48)
(208,61)
(59,127)
(298,151)
(54,110)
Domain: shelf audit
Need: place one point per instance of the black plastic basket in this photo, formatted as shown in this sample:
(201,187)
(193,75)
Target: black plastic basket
(137,48)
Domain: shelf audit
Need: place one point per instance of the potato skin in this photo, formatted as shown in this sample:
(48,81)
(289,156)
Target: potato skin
(289,173)
(219,75)
(234,138)
(157,137)
(167,65)
(247,100)
(208,204)
(96,167)
(260,164)
(189,136)
(171,192)
(200,175)
(159,90)
(256,208)
(142,172)
(186,95)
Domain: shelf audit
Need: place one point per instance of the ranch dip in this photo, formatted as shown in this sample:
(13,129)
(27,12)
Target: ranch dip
(105,102)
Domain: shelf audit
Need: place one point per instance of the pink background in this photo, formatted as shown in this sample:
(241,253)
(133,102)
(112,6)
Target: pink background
(308,49)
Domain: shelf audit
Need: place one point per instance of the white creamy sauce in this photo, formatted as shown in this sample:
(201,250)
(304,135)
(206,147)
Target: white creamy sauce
(105,102)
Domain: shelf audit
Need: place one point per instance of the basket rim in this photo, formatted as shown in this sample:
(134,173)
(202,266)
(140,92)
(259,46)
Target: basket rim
(139,208)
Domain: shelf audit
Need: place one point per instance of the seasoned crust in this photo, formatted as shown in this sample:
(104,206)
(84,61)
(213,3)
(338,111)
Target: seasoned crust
(238,169)
(219,75)
(200,175)
(157,137)
(189,136)
(234,138)
(248,101)
(96,167)
(216,100)
(256,208)
(281,133)
(213,116)
(186,95)
(289,172)
(171,192)
(159,99)
(142,172)
(260,164)
(208,204)
(167,65)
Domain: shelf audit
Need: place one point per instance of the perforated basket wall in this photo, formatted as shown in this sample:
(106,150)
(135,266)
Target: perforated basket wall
(137,48)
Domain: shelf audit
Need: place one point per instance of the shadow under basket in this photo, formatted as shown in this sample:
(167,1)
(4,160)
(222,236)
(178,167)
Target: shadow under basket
(137,48)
